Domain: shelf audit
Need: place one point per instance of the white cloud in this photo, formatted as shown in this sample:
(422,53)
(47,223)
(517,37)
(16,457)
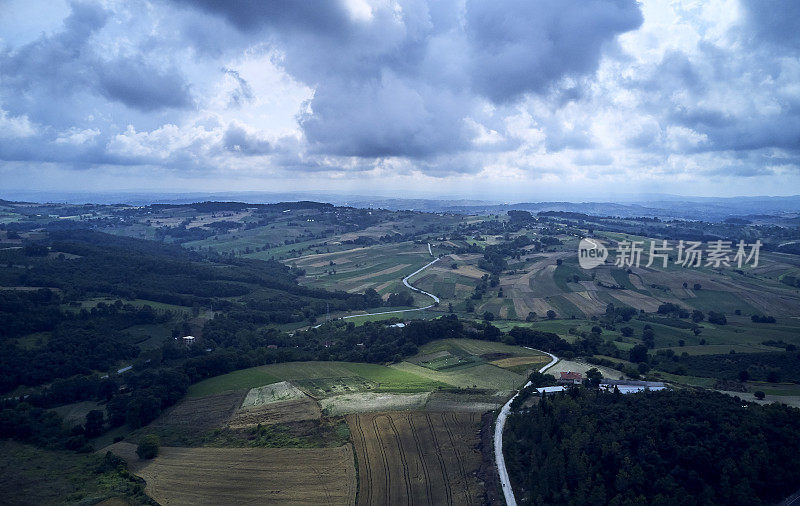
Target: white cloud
(15,126)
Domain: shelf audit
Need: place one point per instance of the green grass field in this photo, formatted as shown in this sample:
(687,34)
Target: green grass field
(236,380)
(478,376)
(319,378)
(714,300)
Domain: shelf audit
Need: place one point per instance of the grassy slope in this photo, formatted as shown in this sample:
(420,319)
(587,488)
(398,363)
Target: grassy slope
(357,375)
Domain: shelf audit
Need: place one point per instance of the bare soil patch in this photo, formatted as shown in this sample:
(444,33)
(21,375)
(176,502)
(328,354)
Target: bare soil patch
(366,402)
(276,412)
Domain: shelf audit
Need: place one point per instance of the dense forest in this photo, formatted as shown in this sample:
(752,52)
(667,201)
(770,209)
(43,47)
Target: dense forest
(660,448)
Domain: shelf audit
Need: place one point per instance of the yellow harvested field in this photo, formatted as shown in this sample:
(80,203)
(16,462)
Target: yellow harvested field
(515,361)
(469,271)
(194,476)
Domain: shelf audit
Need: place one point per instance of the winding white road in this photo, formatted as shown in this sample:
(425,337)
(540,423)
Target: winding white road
(498,438)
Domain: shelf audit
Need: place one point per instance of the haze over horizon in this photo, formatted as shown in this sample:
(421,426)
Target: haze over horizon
(506,101)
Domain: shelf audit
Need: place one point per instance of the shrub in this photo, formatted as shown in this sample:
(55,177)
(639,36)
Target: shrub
(148,446)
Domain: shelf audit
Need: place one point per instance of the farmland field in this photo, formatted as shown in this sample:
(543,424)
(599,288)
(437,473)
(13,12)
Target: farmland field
(467,363)
(379,267)
(413,458)
(247,475)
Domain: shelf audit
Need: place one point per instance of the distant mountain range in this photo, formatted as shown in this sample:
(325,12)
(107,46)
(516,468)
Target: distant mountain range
(654,205)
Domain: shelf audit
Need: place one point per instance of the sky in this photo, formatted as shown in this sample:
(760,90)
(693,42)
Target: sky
(504,99)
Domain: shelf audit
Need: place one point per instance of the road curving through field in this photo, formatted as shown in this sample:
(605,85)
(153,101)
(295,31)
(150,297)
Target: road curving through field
(500,424)
(405,282)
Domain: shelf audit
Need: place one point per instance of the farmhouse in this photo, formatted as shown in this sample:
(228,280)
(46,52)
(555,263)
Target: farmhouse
(187,340)
(570,378)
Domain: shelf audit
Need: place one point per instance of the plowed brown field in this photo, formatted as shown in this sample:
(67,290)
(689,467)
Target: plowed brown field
(417,457)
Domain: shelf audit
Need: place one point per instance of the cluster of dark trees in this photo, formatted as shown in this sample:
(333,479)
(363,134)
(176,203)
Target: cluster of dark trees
(661,448)
(772,367)
(78,342)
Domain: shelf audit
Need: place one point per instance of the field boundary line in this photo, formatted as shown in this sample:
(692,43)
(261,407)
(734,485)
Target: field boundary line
(500,424)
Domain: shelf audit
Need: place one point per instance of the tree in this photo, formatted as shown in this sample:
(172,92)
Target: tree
(697,316)
(148,447)
(94,423)
(638,354)
(649,337)
(551,314)
(759,395)
(531,317)
(696,286)
(744,376)
(593,377)
(717,318)
(626,331)
(488,316)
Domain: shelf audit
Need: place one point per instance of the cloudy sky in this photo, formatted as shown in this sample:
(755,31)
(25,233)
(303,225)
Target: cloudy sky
(508,99)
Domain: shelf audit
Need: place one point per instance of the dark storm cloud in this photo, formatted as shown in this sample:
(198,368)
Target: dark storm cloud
(314,15)
(395,117)
(520,46)
(776,22)
(237,140)
(141,86)
(403,81)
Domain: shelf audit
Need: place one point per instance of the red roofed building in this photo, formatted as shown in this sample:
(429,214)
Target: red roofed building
(570,378)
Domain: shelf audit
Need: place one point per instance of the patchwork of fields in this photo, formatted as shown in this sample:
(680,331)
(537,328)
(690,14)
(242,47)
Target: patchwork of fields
(379,267)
